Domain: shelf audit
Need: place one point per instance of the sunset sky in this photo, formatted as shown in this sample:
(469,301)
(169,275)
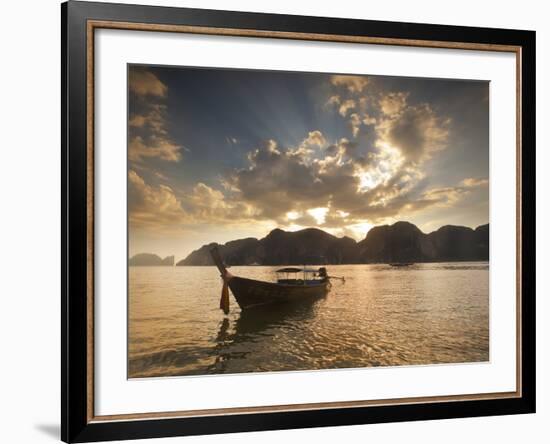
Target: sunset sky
(216,155)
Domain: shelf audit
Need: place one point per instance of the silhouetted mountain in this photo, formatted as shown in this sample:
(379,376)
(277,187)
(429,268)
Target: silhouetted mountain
(149,259)
(309,246)
(481,237)
(168,261)
(460,243)
(281,247)
(237,252)
(400,242)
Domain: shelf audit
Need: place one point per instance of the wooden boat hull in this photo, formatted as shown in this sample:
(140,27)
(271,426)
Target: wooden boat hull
(250,293)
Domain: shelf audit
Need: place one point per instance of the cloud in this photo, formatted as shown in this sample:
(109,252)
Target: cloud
(471,182)
(148,135)
(342,185)
(208,205)
(296,188)
(315,138)
(205,204)
(354,84)
(346,106)
(152,207)
(388,160)
(278,182)
(417,131)
(333,101)
(445,196)
(137,121)
(154,120)
(355,124)
(275,180)
(207,196)
(159,208)
(449,196)
(160,176)
(356,121)
(145,83)
(156,147)
(369,120)
(393,103)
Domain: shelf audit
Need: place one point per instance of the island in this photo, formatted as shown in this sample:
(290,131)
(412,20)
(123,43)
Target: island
(151,260)
(402,242)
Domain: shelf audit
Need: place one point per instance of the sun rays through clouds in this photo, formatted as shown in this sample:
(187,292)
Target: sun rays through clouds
(217,155)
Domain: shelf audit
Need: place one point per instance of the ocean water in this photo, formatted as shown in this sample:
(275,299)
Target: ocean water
(381,316)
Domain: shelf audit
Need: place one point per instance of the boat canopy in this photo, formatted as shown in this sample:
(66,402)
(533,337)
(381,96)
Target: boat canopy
(296,270)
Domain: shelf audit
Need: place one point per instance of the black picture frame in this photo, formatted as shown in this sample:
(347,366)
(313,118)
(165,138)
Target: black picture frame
(76,325)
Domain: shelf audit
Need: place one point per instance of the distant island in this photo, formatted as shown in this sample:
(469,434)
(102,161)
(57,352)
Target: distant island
(400,242)
(149,259)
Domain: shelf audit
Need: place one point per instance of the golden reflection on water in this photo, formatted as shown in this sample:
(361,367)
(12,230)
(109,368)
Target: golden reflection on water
(381,316)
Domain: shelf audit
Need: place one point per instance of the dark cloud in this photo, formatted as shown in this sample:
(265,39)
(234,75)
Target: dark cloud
(277,181)
(416,131)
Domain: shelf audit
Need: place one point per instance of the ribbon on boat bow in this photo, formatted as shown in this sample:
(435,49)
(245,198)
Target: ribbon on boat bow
(226,276)
(224,300)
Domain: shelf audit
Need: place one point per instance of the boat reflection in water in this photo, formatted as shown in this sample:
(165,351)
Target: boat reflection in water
(237,339)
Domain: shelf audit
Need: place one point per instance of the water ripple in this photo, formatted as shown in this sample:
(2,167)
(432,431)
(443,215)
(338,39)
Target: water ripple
(381,316)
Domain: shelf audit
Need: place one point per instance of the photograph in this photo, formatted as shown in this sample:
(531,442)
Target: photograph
(300,221)
(273,220)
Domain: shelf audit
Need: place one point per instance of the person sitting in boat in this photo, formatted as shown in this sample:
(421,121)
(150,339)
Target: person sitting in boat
(322,273)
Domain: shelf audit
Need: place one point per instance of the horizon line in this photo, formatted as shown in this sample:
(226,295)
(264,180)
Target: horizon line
(310,228)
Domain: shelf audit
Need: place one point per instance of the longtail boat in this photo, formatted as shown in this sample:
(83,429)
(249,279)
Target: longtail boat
(293,285)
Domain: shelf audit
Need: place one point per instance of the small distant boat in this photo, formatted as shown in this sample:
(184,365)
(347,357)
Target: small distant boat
(401,264)
(293,285)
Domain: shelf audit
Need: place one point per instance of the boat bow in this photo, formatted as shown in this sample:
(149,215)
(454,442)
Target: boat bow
(226,276)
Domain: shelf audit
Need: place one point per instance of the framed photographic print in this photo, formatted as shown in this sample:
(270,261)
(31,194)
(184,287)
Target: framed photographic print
(277,221)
